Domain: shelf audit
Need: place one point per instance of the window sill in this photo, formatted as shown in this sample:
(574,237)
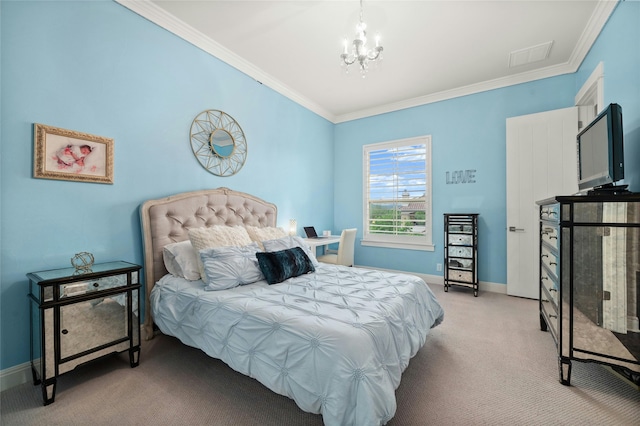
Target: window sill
(402,245)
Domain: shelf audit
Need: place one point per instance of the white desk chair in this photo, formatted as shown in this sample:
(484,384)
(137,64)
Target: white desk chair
(344,255)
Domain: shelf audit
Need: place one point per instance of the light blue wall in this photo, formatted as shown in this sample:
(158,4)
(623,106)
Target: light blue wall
(470,132)
(618,47)
(98,68)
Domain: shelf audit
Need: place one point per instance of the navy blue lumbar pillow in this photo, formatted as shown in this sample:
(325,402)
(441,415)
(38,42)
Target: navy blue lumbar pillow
(277,266)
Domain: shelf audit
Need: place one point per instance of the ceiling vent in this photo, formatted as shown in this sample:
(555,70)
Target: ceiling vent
(530,54)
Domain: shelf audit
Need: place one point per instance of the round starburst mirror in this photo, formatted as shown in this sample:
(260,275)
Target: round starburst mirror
(218,142)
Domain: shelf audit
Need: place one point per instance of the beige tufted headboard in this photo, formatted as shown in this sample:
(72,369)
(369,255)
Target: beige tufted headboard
(168,220)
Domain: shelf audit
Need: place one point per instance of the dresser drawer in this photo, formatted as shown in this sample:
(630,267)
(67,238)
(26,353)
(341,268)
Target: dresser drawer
(550,260)
(549,235)
(460,240)
(461,263)
(461,228)
(460,251)
(464,276)
(549,311)
(550,284)
(550,212)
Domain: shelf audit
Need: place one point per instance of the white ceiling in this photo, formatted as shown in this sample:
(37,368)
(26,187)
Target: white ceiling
(433,50)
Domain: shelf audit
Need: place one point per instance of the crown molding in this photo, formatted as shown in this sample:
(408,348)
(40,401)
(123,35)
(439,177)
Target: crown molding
(596,23)
(157,15)
(471,89)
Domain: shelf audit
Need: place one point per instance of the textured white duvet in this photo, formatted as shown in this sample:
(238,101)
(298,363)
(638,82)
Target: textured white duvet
(335,341)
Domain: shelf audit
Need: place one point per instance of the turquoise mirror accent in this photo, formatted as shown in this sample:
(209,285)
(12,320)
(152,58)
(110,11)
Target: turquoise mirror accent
(218,143)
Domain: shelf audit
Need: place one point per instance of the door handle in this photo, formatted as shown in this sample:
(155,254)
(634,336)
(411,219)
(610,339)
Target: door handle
(514,229)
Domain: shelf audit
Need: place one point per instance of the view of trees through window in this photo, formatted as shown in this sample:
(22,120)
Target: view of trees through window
(396,192)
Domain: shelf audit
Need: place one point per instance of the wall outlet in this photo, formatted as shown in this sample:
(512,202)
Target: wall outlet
(439,267)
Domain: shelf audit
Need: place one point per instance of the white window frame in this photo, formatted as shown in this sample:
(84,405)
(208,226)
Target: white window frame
(397,241)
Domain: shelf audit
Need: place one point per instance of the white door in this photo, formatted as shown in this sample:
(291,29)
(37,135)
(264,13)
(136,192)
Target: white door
(541,163)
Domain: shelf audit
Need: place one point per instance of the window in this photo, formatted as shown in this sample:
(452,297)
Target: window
(397,194)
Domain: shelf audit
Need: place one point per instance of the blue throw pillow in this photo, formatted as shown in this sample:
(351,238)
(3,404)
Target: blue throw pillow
(277,266)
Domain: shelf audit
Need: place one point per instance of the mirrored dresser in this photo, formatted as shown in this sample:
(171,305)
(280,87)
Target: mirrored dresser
(590,280)
(78,316)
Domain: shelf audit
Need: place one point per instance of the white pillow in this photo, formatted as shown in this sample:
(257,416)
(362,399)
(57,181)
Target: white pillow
(267,233)
(288,242)
(217,236)
(228,267)
(181,260)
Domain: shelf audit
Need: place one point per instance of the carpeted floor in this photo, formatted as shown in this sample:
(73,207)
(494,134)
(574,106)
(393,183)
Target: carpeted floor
(487,364)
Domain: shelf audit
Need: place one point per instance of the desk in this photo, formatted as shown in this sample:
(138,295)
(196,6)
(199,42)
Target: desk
(322,242)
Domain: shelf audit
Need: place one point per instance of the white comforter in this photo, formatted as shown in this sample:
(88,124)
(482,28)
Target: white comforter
(335,341)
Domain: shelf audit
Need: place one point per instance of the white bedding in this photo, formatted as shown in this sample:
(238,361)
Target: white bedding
(335,341)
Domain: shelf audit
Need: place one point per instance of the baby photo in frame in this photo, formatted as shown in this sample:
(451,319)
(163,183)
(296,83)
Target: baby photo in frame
(69,155)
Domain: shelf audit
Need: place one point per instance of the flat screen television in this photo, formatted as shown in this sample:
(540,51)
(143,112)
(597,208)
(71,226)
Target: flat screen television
(600,152)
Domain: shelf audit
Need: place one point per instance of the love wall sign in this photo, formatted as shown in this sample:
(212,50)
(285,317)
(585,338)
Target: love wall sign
(461,176)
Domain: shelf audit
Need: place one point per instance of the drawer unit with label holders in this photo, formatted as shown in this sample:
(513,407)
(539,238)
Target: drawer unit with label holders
(589,269)
(461,250)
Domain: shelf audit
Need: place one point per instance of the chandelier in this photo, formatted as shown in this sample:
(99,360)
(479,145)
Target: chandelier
(360,52)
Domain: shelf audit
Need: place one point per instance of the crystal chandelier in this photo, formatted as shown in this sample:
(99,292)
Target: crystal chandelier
(360,52)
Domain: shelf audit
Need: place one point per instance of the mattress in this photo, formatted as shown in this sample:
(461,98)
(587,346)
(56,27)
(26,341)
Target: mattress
(335,341)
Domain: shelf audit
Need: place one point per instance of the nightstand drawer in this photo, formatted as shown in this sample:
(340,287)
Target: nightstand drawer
(80,288)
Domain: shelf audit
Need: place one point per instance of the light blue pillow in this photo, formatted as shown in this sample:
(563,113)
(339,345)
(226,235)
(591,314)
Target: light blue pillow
(288,243)
(228,267)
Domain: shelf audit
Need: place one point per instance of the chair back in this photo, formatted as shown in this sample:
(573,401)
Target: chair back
(346,247)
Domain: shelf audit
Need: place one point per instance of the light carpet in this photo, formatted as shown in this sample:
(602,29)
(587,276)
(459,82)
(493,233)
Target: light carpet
(488,363)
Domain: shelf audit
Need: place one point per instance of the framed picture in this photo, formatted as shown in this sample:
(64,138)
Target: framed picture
(69,155)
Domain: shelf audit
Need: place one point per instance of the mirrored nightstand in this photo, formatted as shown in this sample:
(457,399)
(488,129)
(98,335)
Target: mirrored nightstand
(79,317)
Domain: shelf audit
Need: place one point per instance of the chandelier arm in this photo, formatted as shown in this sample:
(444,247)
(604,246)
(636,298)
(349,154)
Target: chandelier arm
(349,60)
(374,54)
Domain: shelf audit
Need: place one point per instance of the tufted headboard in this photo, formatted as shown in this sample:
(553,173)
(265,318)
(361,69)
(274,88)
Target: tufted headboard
(168,220)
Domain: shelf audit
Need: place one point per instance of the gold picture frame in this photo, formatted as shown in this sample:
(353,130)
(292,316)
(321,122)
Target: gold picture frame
(69,155)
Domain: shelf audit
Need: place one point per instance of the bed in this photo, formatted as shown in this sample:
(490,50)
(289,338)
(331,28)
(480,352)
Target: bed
(335,340)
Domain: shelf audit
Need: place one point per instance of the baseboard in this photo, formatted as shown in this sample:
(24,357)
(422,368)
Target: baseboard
(439,280)
(21,373)
(16,375)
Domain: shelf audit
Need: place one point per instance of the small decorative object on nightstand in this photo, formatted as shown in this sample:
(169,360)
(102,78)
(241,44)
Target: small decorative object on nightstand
(83,262)
(79,317)
(461,250)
